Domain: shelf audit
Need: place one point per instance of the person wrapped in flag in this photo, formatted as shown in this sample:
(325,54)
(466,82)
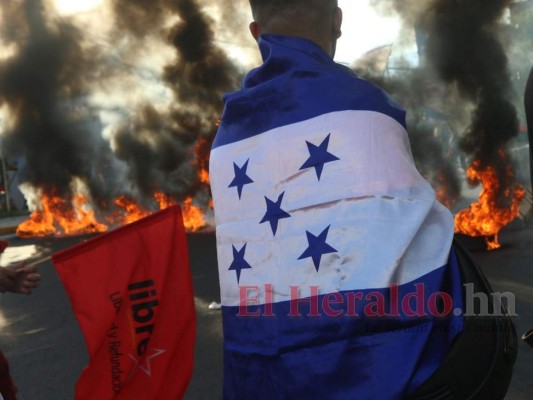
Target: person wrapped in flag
(336,271)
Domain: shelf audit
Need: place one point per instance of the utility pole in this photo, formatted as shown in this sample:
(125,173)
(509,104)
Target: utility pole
(6,185)
(528,105)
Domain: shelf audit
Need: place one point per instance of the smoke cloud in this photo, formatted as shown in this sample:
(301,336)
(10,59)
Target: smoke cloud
(47,83)
(465,48)
(158,142)
(461,47)
(159,147)
(49,131)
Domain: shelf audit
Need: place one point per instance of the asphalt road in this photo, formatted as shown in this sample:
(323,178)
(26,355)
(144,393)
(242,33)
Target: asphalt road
(46,351)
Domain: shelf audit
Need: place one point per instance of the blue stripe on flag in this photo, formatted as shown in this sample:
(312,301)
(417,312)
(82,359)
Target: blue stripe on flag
(310,357)
(286,93)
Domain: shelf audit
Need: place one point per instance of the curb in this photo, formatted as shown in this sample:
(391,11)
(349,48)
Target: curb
(8,230)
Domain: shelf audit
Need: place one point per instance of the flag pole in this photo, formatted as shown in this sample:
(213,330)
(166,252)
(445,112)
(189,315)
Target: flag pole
(39,262)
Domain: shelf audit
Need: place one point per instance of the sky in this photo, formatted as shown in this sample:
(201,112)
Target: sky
(363,30)
(68,7)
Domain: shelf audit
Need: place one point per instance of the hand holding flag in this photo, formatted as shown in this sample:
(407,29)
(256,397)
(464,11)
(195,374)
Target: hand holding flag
(19,278)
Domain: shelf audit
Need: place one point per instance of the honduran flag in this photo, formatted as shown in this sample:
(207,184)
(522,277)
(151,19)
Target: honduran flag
(336,272)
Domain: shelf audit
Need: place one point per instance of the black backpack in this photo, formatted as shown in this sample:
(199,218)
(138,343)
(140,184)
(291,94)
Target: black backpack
(480,363)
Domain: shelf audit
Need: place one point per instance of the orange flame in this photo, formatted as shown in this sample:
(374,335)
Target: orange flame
(164,201)
(132,211)
(57,217)
(193,217)
(201,161)
(485,218)
(203,174)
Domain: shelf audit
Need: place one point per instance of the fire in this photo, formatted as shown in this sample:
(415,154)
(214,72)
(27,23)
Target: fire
(164,201)
(203,174)
(41,223)
(201,162)
(193,217)
(61,218)
(485,218)
(57,217)
(132,211)
(81,219)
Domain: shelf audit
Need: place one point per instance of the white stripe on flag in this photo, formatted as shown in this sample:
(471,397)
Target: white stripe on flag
(384,222)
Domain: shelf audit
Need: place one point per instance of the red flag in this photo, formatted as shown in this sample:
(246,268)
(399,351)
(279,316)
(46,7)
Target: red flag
(131,292)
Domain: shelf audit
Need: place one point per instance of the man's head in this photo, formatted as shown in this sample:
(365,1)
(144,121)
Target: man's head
(316,20)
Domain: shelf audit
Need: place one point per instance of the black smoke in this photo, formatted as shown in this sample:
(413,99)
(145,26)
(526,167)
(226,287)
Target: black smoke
(58,139)
(465,48)
(45,85)
(160,146)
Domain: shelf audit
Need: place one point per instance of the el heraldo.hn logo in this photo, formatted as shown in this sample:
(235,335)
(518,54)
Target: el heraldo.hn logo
(142,302)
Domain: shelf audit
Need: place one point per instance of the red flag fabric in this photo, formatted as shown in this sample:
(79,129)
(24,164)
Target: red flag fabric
(4,244)
(131,292)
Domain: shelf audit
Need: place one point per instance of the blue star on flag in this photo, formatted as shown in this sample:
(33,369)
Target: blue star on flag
(241,178)
(239,263)
(317,247)
(274,213)
(318,156)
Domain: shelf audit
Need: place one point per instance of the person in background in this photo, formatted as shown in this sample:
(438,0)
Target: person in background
(19,279)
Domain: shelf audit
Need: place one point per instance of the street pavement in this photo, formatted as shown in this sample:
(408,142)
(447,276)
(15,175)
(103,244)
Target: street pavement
(43,342)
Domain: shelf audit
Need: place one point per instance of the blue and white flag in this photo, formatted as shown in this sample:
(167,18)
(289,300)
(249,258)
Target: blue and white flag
(336,276)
